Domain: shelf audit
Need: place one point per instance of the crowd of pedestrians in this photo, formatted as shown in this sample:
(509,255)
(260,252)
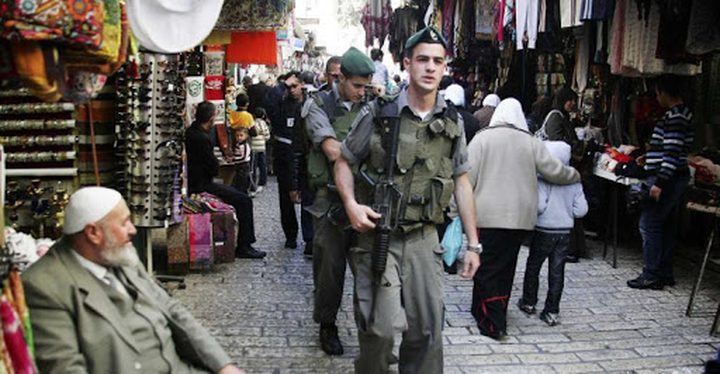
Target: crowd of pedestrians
(375,162)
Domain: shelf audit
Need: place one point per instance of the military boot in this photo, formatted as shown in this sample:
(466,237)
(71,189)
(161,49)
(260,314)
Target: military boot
(329,340)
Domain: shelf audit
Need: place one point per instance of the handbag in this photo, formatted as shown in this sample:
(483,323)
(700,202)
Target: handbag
(452,241)
(542,133)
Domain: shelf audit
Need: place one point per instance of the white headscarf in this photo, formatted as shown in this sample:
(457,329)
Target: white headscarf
(88,205)
(509,112)
(491,100)
(456,94)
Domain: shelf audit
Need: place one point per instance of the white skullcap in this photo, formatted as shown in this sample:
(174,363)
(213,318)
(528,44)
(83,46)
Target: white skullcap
(456,94)
(88,205)
(491,100)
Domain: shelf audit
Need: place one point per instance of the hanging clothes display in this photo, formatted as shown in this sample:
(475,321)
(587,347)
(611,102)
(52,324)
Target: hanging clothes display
(640,40)
(404,23)
(376,21)
(673,32)
(704,30)
(595,10)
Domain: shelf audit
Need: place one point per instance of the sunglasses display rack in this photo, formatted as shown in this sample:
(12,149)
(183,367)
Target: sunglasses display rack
(149,124)
(40,143)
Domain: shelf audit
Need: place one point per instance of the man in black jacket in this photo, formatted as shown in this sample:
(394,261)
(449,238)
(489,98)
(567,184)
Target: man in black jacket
(203,166)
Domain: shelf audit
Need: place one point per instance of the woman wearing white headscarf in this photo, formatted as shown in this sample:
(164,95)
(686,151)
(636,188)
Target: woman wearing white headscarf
(505,160)
(484,114)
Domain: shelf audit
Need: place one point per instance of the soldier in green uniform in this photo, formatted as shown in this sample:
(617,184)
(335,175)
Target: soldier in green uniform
(327,117)
(431,164)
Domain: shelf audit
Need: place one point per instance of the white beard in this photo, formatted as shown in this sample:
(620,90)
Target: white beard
(115,255)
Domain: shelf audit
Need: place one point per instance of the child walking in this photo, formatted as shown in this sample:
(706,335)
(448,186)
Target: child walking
(241,159)
(558,206)
(258,145)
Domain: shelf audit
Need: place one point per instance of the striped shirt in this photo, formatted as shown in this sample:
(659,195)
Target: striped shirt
(669,145)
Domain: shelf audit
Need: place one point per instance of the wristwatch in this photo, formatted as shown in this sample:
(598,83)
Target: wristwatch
(478,248)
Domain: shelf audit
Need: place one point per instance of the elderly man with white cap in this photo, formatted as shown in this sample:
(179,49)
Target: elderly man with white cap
(95,309)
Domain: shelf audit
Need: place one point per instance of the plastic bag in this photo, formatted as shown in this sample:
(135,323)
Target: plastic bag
(452,241)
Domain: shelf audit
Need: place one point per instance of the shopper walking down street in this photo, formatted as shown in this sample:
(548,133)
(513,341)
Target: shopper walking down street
(203,166)
(485,113)
(413,142)
(327,117)
(558,206)
(283,132)
(667,166)
(504,180)
(259,148)
(332,73)
(559,127)
(456,95)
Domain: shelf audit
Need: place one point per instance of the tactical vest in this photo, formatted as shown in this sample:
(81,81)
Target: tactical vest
(319,168)
(424,163)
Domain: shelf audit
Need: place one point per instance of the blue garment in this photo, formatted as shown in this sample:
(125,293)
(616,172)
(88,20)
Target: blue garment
(659,230)
(558,206)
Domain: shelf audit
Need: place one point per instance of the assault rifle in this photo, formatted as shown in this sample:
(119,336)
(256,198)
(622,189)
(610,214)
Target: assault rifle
(387,200)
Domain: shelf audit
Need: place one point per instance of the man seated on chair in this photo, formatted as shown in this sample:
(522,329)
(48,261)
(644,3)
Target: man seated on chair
(95,309)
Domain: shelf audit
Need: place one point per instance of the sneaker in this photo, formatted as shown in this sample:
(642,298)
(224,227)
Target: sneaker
(291,244)
(642,283)
(250,252)
(308,251)
(670,282)
(552,319)
(258,189)
(572,259)
(526,308)
(329,340)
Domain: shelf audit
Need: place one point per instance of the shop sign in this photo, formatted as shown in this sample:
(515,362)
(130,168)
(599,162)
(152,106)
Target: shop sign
(298,44)
(281,35)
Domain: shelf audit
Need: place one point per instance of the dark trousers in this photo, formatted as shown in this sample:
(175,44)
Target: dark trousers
(243,209)
(288,218)
(553,247)
(659,229)
(260,164)
(494,279)
(241,181)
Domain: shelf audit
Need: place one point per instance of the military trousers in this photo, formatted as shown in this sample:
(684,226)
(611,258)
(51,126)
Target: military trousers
(330,252)
(409,300)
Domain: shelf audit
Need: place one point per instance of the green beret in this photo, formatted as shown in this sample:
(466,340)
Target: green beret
(426,35)
(356,63)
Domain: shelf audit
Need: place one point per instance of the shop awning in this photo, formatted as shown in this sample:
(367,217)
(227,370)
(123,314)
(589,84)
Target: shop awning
(252,47)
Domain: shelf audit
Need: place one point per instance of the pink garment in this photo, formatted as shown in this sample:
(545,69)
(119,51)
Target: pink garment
(500,19)
(618,34)
(15,340)
(376,21)
(200,241)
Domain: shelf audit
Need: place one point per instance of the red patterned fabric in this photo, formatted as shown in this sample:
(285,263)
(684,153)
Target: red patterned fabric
(15,340)
(74,21)
(256,47)
(376,20)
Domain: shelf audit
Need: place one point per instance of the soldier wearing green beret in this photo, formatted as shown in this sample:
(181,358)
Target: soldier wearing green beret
(326,119)
(430,165)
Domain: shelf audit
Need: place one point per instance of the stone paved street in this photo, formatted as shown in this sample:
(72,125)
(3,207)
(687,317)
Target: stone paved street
(261,313)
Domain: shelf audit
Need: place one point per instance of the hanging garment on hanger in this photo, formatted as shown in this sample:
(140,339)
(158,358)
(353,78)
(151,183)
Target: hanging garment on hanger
(484,15)
(704,30)
(527,22)
(570,11)
(582,60)
(376,21)
(595,10)
(673,32)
